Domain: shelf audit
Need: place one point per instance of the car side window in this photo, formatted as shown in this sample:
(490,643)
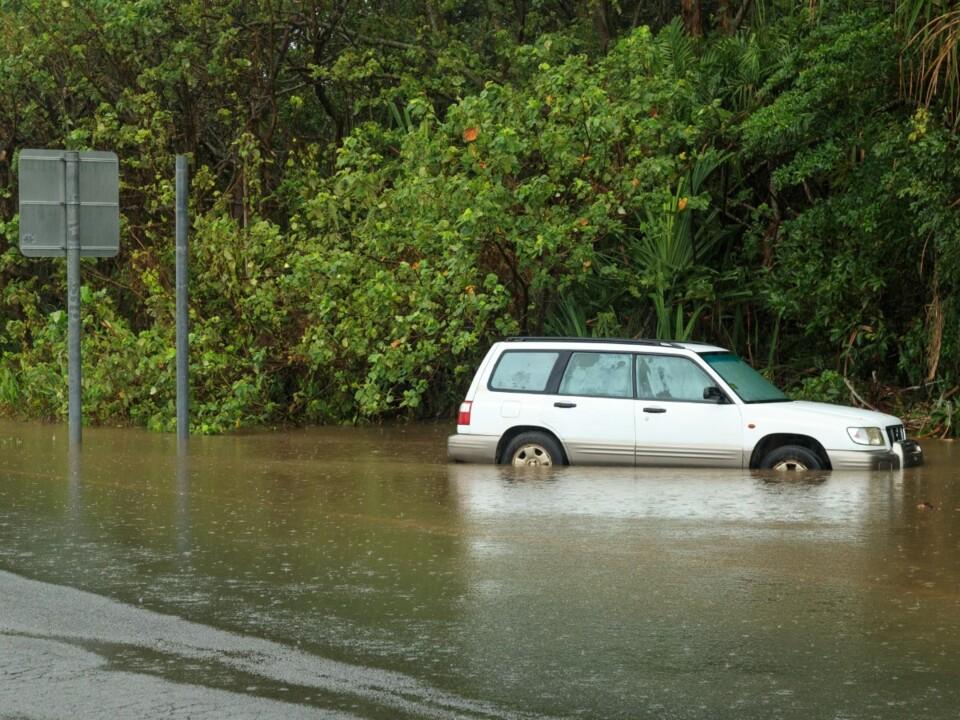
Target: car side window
(523,371)
(598,374)
(669,377)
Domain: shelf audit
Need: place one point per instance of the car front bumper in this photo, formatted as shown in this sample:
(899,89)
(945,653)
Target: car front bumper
(904,454)
(910,453)
(472,448)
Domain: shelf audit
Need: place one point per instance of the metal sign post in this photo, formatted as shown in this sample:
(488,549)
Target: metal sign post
(183,339)
(73,295)
(70,207)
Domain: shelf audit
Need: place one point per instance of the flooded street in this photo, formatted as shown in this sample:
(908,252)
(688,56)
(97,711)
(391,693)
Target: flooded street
(353,573)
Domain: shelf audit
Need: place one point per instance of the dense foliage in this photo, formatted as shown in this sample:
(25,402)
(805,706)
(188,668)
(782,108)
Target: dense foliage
(381,189)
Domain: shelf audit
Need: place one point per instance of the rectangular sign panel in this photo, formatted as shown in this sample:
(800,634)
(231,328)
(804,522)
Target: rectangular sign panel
(43,206)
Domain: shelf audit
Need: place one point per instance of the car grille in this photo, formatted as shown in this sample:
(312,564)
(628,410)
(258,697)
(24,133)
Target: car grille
(896,433)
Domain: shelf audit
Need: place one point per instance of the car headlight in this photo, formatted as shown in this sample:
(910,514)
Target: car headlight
(866,436)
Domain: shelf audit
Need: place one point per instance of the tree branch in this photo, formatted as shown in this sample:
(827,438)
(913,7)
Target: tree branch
(741,14)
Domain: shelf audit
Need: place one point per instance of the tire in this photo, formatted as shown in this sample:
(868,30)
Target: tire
(532,449)
(791,458)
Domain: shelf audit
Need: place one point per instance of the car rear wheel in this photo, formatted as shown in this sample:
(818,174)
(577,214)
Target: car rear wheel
(791,458)
(532,449)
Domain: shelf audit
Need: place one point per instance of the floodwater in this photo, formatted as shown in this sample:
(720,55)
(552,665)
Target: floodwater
(353,573)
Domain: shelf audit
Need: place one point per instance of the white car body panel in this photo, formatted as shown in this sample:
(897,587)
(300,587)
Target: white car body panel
(688,434)
(825,423)
(598,431)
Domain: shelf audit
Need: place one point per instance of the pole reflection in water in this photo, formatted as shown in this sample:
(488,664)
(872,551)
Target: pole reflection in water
(182,519)
(75,484)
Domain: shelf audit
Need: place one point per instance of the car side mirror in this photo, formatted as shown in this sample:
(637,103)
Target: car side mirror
(713,394)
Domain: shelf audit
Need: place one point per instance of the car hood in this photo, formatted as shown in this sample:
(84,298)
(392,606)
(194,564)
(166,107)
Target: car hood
(854,417)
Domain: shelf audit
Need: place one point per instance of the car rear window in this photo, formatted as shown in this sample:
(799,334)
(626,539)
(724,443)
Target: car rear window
(523,371)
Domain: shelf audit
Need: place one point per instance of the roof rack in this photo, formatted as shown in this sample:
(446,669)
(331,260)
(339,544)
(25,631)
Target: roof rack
(617,341)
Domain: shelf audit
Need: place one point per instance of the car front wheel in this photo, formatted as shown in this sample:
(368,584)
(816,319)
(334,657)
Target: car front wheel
(532,449)
(791,458)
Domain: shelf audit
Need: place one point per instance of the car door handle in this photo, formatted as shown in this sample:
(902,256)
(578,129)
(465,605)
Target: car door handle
(564,405)
(655,410)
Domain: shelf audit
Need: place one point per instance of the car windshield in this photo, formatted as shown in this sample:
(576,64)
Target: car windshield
(751,386)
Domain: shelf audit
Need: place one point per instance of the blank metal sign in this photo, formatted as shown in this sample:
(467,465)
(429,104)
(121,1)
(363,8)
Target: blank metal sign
(43,204)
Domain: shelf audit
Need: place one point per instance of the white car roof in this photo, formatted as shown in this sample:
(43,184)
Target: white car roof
(572,343)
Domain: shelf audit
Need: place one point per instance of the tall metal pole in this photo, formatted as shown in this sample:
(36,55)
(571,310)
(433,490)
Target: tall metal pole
(73,295)
(183,341)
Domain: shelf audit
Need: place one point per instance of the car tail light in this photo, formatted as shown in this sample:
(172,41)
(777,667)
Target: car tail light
(463,417)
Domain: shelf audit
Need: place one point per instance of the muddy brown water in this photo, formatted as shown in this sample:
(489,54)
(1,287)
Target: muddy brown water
(350,572)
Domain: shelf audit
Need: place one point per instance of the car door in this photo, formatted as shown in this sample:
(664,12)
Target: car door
(592,411)
(675,424)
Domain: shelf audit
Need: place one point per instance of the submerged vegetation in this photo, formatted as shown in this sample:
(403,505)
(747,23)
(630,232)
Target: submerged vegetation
(381,189)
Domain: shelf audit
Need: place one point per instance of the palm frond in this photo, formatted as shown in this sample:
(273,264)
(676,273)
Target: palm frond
(930,61)
(675,49)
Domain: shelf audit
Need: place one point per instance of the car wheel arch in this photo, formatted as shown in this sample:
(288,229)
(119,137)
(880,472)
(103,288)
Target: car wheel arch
(774,440)
(516,430)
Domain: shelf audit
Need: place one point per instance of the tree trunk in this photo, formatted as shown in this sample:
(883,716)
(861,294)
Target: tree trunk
(724,16)
(601,23)
(520,9)
(434,17)
(934,329)
(691,17)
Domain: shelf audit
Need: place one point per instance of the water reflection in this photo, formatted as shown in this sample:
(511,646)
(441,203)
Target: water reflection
(75,483)
(669,493)
(182,521)
(757,591)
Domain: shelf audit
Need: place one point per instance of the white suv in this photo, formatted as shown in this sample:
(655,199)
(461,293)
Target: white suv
(551,401)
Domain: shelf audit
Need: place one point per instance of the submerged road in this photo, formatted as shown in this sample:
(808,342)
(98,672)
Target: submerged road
(352,573)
